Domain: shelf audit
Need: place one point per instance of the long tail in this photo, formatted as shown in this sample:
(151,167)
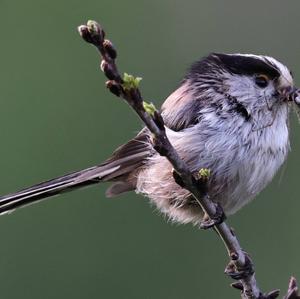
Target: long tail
(125,160)
(53,187)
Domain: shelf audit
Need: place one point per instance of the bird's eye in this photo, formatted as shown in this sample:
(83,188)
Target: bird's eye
(261,81)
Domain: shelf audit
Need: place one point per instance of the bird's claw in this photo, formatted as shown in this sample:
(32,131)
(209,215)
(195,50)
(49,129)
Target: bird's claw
(217,218)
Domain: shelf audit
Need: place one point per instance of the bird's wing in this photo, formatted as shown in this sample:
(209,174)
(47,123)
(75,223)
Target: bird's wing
(180,109)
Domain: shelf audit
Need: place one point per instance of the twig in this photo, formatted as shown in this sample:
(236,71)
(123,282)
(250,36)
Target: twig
(293,290)
(240,266)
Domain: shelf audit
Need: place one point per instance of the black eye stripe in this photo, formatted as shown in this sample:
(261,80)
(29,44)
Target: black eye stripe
(216,63)
(247,65)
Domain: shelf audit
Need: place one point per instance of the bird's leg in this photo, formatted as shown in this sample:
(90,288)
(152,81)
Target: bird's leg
(219,216)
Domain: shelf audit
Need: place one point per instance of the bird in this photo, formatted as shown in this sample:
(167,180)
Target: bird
(228,114)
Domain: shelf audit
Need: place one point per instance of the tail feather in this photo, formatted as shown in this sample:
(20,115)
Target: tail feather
(125,161)
(54,187)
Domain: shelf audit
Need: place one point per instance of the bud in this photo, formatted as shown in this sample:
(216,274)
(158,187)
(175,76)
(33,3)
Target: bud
(149,108)
(293,283)
(204,173)
(96,32)
(110,49)
(237,285)
(107,70)
(130,82)
(113,87)
(234,256)
(84,33)
(273,294)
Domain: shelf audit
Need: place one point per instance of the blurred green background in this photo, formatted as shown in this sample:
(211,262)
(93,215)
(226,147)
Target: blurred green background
(56,116)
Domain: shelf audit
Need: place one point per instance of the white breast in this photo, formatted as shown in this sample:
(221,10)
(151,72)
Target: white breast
(242,162)
(259,161)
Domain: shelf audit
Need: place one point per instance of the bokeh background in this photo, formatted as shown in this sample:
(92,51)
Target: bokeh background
(56,116)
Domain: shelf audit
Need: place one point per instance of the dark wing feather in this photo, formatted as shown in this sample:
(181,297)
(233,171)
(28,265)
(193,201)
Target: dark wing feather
(132,155)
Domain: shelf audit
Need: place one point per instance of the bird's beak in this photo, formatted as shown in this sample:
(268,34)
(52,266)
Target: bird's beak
(290,94)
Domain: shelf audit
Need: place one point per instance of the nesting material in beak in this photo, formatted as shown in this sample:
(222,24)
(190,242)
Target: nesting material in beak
(291,94)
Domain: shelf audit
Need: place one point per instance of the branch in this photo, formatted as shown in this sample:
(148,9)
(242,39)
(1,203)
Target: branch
(126,87)
(293,290)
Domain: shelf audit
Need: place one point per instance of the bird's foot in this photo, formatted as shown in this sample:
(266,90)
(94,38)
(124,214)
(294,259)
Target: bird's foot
(217,218)
(243,272)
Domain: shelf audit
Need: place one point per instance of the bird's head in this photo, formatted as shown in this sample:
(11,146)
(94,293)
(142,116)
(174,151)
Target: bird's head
(254,81)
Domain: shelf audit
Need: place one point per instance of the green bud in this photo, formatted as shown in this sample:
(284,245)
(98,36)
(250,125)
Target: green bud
(204,173)
(149,107)
(130,82)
